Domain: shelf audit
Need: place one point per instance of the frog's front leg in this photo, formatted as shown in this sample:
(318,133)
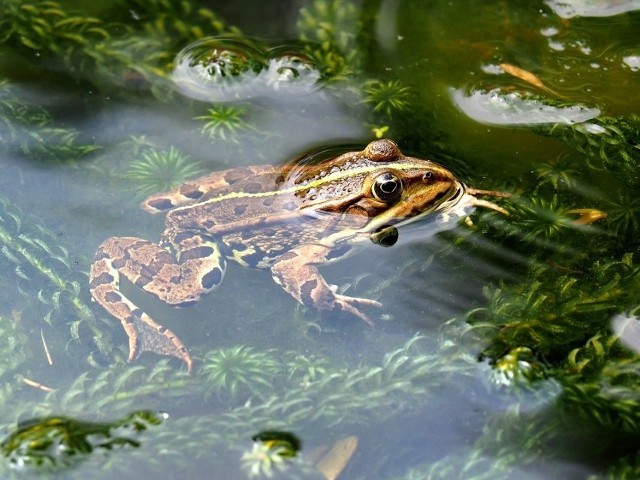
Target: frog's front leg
(179,280)
(297,273)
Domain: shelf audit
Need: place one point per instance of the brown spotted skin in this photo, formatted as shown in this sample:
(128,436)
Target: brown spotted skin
(289,219)
(295,271)
(177,281)
(193,191)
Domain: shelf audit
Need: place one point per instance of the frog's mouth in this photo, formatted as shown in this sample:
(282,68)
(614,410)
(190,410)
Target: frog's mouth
(455,203)
(458,193)
(459,200)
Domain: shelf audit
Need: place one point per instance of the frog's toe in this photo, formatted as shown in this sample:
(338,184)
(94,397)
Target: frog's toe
(361,301)
(350,305)
(153,337)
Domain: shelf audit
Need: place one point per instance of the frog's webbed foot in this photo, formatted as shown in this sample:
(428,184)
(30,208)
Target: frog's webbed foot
(158,272)
(119,255)
(344,303)
(145,335)
(296,272)
(149,336)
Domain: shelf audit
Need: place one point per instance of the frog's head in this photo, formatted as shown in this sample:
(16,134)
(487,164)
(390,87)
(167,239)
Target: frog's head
(379,188)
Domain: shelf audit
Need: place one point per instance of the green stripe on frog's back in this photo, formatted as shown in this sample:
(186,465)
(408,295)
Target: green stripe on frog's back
(332,177)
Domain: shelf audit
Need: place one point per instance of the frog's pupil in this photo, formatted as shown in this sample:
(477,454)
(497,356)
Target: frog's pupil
(387,188)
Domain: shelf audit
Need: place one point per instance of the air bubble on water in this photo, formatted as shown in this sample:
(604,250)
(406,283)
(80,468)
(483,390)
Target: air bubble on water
(498,107)
(632,62)
(225,69)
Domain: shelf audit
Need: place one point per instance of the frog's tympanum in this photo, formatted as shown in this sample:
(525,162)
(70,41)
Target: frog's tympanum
(288,219)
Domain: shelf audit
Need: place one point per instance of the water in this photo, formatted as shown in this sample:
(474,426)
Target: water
(496,352)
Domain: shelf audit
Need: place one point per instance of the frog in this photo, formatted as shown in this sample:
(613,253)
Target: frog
(289,219)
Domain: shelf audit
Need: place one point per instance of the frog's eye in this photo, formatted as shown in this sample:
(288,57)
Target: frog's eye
(387,188)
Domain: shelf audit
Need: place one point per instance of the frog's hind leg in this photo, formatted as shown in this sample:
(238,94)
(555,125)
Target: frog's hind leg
(158,272)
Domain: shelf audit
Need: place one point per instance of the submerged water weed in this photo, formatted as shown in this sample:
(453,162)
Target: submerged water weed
(159,171)
(624,213)
(33,257)
(547,314)
(31,130)
(239,372)
(303,369)
(120,389)
(55,443)
(605,392)
(94,48)
(264,460)
(179,22)
(518,368)
(386,97)
(13,344)
(331,28)
(560,173)
(544,221)
(54,30)
(609,142)
(225,123)
(135,145)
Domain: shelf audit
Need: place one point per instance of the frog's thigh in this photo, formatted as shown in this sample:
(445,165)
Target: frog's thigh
(127,256)
(155,270)
(296,273)
(180,281)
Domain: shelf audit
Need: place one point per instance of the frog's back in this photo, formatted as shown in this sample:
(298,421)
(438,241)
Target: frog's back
(238,180)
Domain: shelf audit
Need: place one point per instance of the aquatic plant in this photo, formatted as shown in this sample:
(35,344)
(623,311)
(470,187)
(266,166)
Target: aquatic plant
(55,29)
(127,52)
(30,130)
(39,262)
(225,123)
(518,368)
(159,171)
(264,460)
(120,389)
(541,218)
(548,323)
(13,344)
(335,398)
(560,173)
(389,97)
(303,369)
(56,443)
(551,313)
(240,372)
(611,143)
(623,213)
(331,28)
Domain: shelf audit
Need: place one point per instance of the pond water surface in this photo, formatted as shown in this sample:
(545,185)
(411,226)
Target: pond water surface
(506,345)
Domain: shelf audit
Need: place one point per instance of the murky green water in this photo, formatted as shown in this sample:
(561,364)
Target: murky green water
(506,347)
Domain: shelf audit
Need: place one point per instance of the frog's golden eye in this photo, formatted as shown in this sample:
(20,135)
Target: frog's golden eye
(387,188)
